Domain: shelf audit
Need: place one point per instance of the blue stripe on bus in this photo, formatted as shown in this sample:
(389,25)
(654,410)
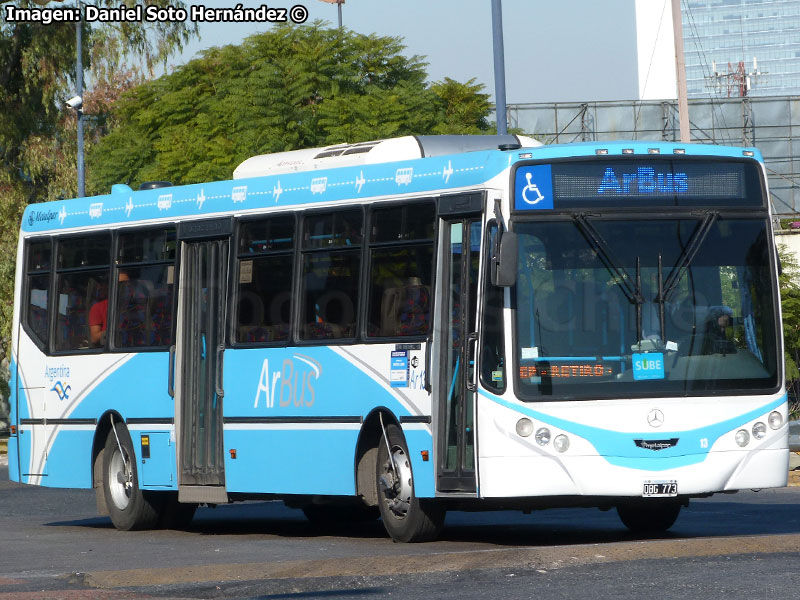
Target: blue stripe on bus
(274,191)
(619,449)
(319,383)
(317,186)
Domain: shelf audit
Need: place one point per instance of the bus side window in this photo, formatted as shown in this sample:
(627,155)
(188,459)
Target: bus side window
(38,290)
(331,263)
(145,285)
(265,276)
(82,268)
(401,270)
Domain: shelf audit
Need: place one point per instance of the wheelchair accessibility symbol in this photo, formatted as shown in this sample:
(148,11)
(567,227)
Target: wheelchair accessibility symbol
(531,191)
(534,187)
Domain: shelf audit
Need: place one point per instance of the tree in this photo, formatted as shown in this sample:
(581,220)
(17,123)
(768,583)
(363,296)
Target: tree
(464,105)
(789,283)
(289,88)
(37,133)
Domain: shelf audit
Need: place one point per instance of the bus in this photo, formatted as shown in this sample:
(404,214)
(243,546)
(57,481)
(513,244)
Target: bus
(403,327)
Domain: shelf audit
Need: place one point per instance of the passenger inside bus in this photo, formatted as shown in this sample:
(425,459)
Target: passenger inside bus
(98,316)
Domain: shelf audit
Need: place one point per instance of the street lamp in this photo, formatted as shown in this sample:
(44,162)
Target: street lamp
(79,90)
(499,68)
(339,6)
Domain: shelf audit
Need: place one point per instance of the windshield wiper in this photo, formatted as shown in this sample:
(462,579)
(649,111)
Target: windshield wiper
(632,292)
(686,257)
(621,277)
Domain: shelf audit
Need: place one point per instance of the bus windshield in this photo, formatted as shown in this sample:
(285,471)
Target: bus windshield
(612,307)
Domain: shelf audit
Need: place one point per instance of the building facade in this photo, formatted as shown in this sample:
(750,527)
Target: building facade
(741,47)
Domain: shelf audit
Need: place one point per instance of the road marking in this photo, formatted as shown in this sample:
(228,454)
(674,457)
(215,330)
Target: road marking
(529,558)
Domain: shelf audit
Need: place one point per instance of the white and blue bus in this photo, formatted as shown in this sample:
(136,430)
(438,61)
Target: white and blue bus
(407,326)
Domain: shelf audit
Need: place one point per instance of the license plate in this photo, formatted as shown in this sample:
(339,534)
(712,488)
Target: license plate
(660,489)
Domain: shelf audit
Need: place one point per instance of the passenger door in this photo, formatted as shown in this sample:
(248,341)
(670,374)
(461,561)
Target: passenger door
(454,394)
(199,354)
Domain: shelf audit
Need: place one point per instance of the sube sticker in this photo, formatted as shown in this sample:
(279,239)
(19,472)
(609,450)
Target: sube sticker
(648,366)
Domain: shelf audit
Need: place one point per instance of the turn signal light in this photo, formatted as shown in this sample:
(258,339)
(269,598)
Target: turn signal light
(13,430)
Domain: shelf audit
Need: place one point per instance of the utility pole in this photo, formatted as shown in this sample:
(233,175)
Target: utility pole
(79,110)
(680,71)
(499,68)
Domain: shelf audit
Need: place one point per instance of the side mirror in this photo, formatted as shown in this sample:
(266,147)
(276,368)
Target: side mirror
(504,263)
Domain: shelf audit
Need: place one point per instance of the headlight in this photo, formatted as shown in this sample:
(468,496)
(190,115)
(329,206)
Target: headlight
(561,443)
(543,436)
(742,437)
(759,430)
(524,427)
(775,419)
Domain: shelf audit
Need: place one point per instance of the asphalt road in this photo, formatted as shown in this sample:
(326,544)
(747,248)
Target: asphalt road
(737,546)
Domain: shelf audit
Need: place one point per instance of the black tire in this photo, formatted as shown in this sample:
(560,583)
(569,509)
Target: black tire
(128,506)
(332,515)
(405,517)
(174,514)
(649,517)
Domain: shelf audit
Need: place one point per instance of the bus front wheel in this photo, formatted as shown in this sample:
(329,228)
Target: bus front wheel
(129,507)
(405,517)
(651,516)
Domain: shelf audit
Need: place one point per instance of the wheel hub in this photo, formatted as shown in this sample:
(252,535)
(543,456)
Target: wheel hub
(397,483)
(120,480)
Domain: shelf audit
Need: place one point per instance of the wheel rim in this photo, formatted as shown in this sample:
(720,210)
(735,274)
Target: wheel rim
(120,480)
(397,483)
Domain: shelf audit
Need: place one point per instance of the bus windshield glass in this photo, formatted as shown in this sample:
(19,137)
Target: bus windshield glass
(611,307)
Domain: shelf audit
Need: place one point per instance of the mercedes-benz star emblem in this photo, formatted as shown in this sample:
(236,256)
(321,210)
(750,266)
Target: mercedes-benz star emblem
(655,418)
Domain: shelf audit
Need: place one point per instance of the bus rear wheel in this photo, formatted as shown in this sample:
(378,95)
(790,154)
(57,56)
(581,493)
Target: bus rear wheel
(405,517)
(129,507)
(651,516)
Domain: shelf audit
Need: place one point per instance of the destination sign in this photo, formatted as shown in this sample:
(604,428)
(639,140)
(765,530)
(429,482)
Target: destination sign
(636,183)
(547,369)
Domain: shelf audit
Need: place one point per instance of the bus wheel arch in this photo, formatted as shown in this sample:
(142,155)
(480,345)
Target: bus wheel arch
(405,517)
(126,503)
(367,453)
(98,449)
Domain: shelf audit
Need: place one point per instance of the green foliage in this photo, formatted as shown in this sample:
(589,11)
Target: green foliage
(789,283)
(289,88)
(464,106)
(38,134)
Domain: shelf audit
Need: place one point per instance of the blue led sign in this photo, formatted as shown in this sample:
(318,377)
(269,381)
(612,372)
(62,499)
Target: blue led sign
(644,180)
(636,183)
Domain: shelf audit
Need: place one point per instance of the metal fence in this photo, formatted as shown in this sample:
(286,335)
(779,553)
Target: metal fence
(769,123)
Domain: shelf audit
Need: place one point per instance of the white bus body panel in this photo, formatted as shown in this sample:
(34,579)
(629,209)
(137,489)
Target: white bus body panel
(515,466)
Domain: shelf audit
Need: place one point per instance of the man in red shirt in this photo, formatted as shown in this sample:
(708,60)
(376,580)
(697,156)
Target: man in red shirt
(98,318)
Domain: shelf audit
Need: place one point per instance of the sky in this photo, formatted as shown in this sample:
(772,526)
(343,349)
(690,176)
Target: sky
(555,50)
